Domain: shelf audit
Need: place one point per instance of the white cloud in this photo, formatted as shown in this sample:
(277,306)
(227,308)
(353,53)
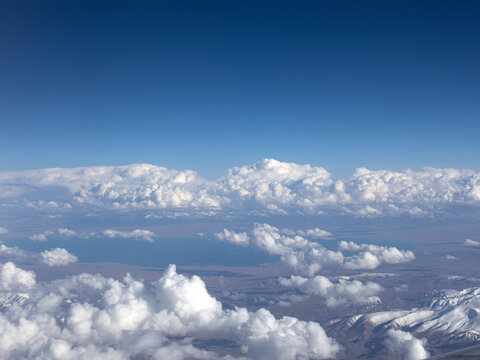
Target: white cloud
(67,232)
(372,256)
(315,233)
(450,257)
(470,242)
(89,316)
(57,257)
(14,279)
(405,345)
(42,237)
(240,238)
(138,234)
(53,257)
(3,230)
(11,253)
(336,293)
(266,187)
(309,257)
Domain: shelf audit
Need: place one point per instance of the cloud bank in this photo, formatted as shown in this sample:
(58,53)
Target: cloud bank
(266,187)
(308,257)
(336,293)
(137,234)
(93,317)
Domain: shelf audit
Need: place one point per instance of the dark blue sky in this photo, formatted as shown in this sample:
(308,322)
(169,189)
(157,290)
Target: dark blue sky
(208,85)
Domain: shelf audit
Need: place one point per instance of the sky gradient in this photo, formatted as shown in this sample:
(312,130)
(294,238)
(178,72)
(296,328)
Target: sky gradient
(207,86)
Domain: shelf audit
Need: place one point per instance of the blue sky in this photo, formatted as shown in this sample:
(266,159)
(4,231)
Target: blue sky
(210,85)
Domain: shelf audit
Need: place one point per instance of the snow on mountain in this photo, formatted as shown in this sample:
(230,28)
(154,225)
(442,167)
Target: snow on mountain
(455,313)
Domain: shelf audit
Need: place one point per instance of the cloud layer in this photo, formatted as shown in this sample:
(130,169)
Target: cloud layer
(266,187)
(309,257)
(137,234)
(335,293)
(89,316)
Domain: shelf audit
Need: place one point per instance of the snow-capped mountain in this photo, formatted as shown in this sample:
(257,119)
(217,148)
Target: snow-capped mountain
(455,313)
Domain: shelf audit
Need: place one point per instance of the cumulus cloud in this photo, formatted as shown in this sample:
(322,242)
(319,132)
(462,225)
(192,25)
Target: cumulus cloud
(89,316)
(116,187)
(404,345)
(315,233)
(309,257)
(3,230)
(237,238)
(57,257)
(12,253)
(266,187)
(335,293)
(41,237)
(14,279)
(53,257)
(302,255)
(372,256)
(138,234)
(470,242)
(67,232)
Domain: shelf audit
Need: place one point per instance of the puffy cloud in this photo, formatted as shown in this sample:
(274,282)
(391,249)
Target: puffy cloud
(53,257)
(115,187)
(277,187)
(240,238)
(14,279)
(12,252)
(304,256)
(67,232)
(405,345)
(266,187)
(3,230)
(57,257)
(372,256)
(42,237)
(89,316)
(336,293)
(315,233)
(470,242)
(138,234)
(309,257)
